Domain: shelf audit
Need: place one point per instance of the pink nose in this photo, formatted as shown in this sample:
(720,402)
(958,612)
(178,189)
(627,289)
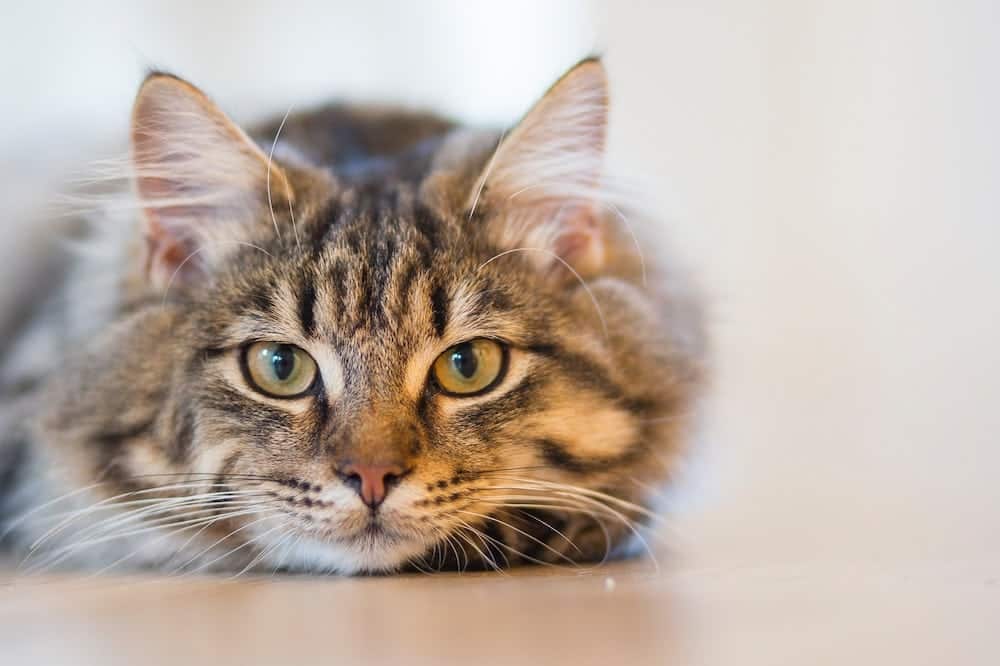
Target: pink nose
(371,482)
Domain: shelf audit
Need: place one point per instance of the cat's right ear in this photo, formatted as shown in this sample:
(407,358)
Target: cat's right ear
(202,183)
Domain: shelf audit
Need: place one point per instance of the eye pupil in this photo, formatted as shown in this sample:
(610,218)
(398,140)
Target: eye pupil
(283,362)
(464,360)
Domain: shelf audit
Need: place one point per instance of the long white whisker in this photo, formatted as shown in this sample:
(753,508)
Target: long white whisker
(280,541)
(245,544)
(572,492)
(61,554)
(564,508)
(211,520)
(147,526)
(283,559)
(154,501)
(450,540)
(486,559)
(527,557)
(522,533)
(624,504)
(147,515)
(112,500)
(547,525)
(222,539)
(41,507)
(624,519)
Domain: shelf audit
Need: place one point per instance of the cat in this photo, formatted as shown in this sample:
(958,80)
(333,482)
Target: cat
(356,340)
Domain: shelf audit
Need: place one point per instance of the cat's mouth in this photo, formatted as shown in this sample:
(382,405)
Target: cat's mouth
(359,541)
(375,530)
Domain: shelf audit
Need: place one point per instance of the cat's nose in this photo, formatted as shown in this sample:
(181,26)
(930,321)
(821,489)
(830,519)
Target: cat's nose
(371,482)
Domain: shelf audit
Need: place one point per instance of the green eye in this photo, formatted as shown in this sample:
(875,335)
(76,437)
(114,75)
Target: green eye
(470,367)
(279,370)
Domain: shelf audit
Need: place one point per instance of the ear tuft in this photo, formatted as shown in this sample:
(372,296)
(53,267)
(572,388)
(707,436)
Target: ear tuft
(200,179)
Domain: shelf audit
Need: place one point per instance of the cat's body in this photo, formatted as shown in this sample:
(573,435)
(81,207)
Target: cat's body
(365,246)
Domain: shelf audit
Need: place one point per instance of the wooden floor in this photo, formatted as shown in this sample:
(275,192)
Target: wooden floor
(624,613)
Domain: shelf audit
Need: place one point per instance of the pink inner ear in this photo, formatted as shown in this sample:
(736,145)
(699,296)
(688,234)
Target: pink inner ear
(169,256)
(580,242)
(168,237)
(573,245)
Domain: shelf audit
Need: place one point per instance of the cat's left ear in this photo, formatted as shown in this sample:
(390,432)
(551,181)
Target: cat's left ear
(541,190)
(202,183)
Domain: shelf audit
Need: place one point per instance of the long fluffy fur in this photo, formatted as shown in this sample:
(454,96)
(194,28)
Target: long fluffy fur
(147,446)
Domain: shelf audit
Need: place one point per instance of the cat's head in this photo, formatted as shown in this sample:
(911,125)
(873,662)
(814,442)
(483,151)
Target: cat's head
(441,358)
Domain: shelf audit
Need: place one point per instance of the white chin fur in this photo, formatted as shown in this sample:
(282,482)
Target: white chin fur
(313,555)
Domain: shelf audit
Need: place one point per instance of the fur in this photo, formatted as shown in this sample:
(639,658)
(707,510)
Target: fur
(373,239)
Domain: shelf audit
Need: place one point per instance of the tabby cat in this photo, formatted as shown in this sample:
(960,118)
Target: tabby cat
(360,339)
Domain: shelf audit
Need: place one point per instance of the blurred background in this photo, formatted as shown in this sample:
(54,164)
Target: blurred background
(829,169)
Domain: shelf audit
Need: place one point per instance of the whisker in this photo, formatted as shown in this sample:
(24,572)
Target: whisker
(545,524)
(232,551)
(147,515)
(449,539)
(288,550)
(572,492)
(147,526)
(41,507)
(596,494)
(486,540)
(522,533)
(513,550)
(627,523)
(212,475)
(571,510)
(563,501)
(222,539)
(485,558)
(212,520)
(288,534)
(61,554)
(111,500)
(167,501)
(72,516)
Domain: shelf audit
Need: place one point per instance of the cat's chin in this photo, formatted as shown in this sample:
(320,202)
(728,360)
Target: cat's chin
(357,556)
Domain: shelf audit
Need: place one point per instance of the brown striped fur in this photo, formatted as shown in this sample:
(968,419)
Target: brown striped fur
(378,257)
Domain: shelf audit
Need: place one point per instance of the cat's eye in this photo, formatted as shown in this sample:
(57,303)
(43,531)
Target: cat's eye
(279,370)
(470,367)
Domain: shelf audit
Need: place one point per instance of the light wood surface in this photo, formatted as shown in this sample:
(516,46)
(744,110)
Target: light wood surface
(623,614)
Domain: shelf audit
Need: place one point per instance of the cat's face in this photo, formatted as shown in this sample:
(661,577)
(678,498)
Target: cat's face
(417,378)
(414,371)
